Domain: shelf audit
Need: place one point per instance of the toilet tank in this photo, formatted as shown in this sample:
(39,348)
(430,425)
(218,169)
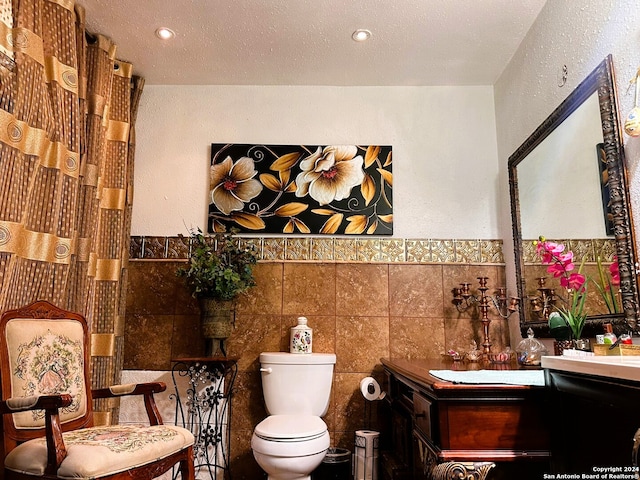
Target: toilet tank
(296,383)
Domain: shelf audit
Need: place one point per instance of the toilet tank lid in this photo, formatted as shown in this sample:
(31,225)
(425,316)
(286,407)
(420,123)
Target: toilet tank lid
(298,358)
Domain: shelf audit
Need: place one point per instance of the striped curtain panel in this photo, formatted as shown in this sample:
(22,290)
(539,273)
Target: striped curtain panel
(67,109)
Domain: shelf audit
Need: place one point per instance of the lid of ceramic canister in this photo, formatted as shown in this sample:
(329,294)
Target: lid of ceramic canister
(293,359)
(282,427)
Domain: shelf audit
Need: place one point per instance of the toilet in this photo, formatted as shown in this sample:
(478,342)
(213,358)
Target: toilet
(292,441)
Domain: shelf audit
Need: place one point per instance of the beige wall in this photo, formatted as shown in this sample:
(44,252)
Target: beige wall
(444,148)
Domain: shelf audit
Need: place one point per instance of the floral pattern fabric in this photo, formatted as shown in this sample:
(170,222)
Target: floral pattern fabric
(101,451)
(120,438)
(49,364)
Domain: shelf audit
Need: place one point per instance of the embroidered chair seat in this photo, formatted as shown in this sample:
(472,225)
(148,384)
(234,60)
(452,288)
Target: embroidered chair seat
(99,451)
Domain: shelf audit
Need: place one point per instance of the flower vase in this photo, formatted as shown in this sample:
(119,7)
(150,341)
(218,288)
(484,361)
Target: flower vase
(216,321)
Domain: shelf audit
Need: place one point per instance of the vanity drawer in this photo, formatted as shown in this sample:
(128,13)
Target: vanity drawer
(422,413)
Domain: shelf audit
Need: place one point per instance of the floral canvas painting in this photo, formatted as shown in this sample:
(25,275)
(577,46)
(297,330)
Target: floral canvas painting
(301,189)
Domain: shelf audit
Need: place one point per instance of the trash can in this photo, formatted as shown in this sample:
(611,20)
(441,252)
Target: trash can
(335,466)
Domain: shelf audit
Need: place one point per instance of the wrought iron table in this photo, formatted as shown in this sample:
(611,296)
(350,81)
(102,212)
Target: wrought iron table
(205,410)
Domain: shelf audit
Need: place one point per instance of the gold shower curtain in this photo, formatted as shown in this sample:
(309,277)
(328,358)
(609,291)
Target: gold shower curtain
(67,109)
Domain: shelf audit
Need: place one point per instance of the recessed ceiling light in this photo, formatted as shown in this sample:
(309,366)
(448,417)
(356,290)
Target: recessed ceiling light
(165,33)
(361,35)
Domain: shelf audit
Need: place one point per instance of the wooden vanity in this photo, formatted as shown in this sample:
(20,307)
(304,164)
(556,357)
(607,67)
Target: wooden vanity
(431,421)
(584,418)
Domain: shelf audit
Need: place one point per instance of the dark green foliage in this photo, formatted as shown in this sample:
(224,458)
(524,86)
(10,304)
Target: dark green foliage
(218,266)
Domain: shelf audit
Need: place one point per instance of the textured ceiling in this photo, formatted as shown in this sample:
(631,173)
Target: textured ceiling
(308,42)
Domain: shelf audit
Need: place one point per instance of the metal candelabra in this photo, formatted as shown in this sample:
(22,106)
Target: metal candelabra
(464,300)
(542,305)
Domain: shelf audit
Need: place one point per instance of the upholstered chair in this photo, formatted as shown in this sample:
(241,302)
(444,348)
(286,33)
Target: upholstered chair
(47,407)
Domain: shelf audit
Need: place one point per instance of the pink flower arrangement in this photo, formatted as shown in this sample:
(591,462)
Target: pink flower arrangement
(561,266)
(614,270)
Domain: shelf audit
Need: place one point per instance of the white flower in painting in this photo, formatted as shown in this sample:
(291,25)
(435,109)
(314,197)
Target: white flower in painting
(232,184)
(330,174)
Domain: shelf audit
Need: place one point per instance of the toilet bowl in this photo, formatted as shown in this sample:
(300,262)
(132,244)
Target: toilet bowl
(290,447)
(293,440)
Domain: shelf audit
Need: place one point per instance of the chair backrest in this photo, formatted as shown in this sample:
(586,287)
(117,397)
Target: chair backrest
(44,350)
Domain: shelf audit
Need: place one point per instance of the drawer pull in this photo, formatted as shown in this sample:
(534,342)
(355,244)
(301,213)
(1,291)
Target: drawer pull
(421,415)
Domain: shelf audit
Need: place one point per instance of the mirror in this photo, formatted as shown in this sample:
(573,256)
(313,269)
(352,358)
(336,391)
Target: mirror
(568,182)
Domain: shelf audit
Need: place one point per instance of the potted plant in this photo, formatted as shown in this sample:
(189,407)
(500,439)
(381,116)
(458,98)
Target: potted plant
(219,269)
(567,322)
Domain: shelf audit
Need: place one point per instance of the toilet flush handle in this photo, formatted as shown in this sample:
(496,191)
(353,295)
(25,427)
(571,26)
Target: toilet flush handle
(266,370)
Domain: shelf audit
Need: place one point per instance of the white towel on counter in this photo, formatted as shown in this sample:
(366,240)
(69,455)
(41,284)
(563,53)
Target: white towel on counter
(509,377)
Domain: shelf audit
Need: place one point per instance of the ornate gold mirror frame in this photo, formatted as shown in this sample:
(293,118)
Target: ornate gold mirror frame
(620,240)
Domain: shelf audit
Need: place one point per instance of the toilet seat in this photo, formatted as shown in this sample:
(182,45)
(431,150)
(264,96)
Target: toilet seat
(290,428)
(290,435)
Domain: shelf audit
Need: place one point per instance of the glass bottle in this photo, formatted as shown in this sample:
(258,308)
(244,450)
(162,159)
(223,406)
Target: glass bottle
(609,336)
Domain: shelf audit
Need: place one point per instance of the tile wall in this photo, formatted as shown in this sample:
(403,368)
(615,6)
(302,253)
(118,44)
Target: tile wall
(365,299)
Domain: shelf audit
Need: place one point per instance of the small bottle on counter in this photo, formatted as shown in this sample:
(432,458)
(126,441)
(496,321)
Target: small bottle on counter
(301,337)
(625,339)
(609,337)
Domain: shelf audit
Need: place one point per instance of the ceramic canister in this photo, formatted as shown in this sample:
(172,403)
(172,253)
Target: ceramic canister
(301,337)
